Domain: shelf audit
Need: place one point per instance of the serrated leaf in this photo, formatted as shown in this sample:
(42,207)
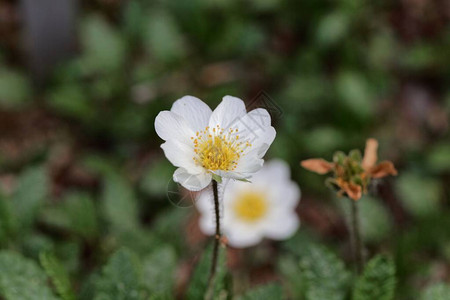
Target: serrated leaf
(119,203)
(198,285)
(169,226)
(292,278)
(121,278)
(158,272)
(88,288)
(324,273)
(34,243)
(438,291)
(82,216)
(271,291)
(58,275)
(21,278)
(76,214)
(31,191)
(377,281)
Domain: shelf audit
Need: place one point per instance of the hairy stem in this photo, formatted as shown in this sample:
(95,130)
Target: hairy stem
(215,254)
(356,238)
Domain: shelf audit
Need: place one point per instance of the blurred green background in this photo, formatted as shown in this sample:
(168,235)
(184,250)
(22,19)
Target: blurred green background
(82,174)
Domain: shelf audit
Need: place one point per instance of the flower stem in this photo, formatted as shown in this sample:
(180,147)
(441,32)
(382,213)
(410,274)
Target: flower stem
(215,254)
(356,237)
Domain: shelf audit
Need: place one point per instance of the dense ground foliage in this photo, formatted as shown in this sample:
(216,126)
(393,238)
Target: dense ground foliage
(88,208)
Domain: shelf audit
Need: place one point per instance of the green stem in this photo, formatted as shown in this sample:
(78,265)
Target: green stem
(215,254)
(356,237)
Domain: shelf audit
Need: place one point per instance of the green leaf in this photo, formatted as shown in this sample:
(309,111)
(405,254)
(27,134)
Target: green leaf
(6,218)
(378,280)
(15,90)
(76,214)
(159,272)
(332,28)
(439,158)
(271,291)
(81,215)
(375,220)
(34,243)
(162,37)
(421,56)
(438,291)
(21,278)
(121,278)
(382,49)
(420,195)
(323,139)
(292,277)
(119,203)
(31,191)
(104,47)
(88,289)
(134,17)
(199,281)
(354,92)
(218,179)
(324,273)
(157,178)
(243,180)
(58,275)
(71,100)
(169,227)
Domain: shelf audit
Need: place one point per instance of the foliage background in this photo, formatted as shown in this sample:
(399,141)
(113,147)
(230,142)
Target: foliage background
(84,183)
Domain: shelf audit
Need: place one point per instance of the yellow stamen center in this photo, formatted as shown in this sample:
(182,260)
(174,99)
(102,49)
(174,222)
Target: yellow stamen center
(250,206)
(218,150)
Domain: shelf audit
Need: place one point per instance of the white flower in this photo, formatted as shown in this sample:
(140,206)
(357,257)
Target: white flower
(228,142)
(251,211)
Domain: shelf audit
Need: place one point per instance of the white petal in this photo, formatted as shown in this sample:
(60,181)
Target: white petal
(282,225)
(285,194)
(252,123)
(263,141)
(240,235)
(275,178)
(205,205)
(248,165)
(169,125)
(203,202)
(192,182)
(194,111)
(276,169)
(228,113)
(207,224)
(181,155)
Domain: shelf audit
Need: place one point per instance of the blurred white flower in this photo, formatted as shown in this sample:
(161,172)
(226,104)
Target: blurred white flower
(252,211)
(227,142)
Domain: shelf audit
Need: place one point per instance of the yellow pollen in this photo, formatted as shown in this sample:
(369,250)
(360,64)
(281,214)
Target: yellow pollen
(218,151)
(250,206)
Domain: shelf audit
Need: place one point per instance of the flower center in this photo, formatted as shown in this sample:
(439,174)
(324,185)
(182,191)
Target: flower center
(250,206)
(217,149)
